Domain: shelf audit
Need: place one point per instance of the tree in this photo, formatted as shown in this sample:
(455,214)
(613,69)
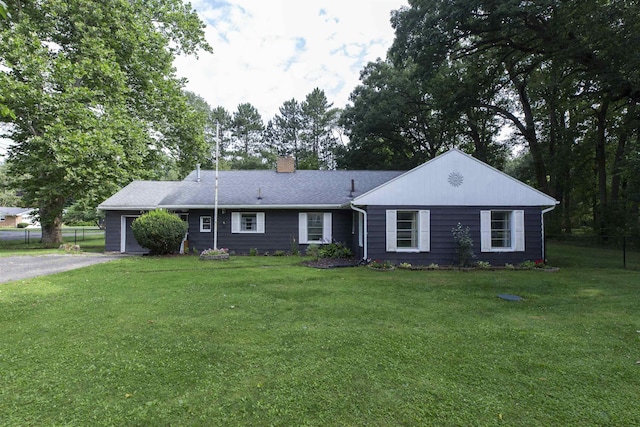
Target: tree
(221,120)
(4,110)
(96,99)
(284,132)
(246,130)
(566,84)
(8,195)
(319,120)
(392,123)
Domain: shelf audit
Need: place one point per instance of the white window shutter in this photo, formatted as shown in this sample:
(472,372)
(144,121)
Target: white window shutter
(424,238)
(392,244)
(327,227)
(485,231)
(518,226)
(302,228)
(235,222)
(260,221)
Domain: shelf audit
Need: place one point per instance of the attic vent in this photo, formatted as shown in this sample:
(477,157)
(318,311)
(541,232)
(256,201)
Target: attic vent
(286,165)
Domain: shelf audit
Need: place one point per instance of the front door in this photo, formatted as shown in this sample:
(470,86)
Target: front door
(130,244)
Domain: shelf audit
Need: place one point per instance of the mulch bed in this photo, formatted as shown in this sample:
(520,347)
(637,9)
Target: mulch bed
(331,263)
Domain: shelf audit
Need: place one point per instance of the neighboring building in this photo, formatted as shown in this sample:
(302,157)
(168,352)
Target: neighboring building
(381,215)
(12,216)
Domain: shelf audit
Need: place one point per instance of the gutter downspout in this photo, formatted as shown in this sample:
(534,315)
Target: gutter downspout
(544,249)
(365,238)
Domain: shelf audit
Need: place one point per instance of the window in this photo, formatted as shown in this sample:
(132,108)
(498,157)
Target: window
(314,227)
(247,222)
(408,231)
(205,224)
(502,231)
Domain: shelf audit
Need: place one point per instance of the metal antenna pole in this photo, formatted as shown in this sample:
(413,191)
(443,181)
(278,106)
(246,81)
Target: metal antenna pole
(215,197)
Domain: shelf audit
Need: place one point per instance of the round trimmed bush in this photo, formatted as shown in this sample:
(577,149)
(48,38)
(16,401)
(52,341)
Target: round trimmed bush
(159,231)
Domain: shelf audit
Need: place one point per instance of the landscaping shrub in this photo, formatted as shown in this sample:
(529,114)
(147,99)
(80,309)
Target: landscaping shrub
(464,244)
(334,250)
(313,251)
(159,231)
(23,225)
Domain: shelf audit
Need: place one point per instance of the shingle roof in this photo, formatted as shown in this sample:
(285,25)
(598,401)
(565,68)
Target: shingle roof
(266,188)
(140,195)
(12,211)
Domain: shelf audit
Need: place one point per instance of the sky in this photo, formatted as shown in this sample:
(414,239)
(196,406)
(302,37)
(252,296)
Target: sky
(266,52)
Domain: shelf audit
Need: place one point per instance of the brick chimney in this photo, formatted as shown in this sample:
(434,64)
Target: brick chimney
(286,165)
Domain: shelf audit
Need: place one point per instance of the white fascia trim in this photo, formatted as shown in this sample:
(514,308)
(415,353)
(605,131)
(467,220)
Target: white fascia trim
(255,207)
(127,208)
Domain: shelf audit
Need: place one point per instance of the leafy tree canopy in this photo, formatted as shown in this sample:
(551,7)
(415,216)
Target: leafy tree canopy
(95,96)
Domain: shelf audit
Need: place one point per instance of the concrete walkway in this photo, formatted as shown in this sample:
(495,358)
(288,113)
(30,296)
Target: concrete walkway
(24,267)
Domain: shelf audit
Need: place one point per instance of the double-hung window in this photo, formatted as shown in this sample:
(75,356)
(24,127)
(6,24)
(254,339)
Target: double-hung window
(502,231)
(408,230)
(205,224)
(247,222)
(314,227)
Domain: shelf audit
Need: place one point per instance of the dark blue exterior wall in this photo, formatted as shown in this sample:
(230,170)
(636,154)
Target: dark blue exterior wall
(281,231)
(113,232)
(443,247)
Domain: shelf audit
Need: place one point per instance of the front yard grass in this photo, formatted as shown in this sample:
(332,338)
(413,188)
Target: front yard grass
(265,341)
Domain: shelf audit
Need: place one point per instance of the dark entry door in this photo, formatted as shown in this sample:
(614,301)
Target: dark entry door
(130,243)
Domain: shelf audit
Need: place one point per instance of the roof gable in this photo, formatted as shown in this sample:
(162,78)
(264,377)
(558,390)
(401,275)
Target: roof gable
(455,179)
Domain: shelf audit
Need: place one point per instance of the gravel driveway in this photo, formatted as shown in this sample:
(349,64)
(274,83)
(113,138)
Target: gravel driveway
(23,267)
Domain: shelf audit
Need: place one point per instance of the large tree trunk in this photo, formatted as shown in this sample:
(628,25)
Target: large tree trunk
(51,221)
(528,131)
(601,167)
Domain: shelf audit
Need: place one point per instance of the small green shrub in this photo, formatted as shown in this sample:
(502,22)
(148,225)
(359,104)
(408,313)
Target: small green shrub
(295,250)
(253,252)
(464,242)
(527,264)
(313,251)
(334,250)
(381,265)
(23,225)
(279,253)
(159,231)
(483,265)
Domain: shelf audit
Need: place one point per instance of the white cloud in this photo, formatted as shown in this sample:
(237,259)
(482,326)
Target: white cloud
(267,52)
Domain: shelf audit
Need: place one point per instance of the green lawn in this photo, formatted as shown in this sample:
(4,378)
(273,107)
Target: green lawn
(265,341)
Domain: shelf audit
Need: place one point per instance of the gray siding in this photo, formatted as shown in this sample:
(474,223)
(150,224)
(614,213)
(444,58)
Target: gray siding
(281,231)
(443,247)
(113,232)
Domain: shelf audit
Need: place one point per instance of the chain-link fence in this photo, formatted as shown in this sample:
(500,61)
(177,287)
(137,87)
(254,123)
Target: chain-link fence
(594,251)
(11,237)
